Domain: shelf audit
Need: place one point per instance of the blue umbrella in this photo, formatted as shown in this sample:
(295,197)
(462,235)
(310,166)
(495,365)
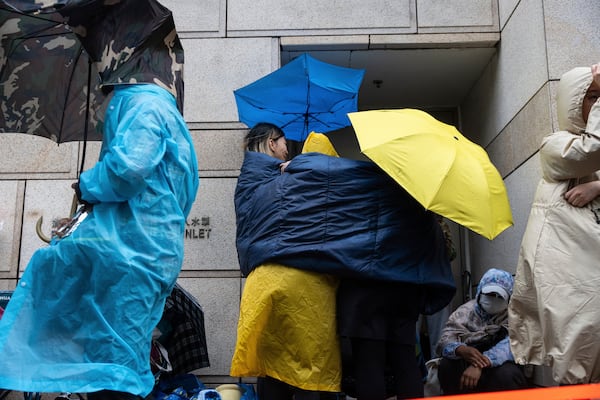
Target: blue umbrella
(302,96)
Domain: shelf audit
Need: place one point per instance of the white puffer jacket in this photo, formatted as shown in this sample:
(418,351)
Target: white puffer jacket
(554,313)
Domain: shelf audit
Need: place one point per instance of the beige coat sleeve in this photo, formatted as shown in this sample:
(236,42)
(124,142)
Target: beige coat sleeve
(565,155)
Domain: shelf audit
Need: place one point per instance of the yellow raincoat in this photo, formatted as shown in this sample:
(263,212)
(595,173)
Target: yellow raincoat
(287,328)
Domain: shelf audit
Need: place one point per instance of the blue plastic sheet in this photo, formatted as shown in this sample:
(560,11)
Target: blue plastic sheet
(81,317)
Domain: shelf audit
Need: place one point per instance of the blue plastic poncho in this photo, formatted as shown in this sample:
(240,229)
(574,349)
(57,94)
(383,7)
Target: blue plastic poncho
(340,216)
(81,317)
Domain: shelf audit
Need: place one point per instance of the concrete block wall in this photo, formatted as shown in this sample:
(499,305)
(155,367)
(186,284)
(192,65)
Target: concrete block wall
(511,107)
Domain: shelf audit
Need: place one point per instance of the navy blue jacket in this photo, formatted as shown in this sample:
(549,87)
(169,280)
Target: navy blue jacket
(339,216)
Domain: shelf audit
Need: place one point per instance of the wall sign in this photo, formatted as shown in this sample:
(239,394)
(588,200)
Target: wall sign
(197,228)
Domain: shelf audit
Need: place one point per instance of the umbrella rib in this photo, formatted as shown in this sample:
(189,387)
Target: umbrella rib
(305,131)
(33,16)
(66,99)
(37,33)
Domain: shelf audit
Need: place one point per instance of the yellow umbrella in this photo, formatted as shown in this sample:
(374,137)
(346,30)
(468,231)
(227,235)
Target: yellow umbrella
(444,171)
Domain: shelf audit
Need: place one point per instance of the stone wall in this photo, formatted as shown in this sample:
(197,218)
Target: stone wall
(512,106)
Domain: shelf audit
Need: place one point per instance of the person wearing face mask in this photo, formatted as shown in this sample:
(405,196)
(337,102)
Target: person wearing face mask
(474,344)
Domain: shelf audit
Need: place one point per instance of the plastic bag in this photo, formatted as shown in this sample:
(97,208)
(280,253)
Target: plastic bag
(248,392)
(432,384)
(207,394)
(178,387)
(159,358)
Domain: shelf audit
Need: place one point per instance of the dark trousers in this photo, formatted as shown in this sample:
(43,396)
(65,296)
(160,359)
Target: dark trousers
(273,389)
(508,376)
(369,358)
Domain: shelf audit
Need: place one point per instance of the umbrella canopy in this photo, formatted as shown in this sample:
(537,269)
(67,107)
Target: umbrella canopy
(437,165)
(302,96)
(54,55)
(44,79)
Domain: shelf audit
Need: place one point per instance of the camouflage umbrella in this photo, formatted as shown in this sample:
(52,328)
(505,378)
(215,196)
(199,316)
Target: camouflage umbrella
(59,58)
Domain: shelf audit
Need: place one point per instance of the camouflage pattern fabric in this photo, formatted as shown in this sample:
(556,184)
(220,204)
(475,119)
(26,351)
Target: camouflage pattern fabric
(46,46)
(44,79)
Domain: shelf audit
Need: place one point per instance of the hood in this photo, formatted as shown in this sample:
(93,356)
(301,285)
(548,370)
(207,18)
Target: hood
(496,280)
(569,99)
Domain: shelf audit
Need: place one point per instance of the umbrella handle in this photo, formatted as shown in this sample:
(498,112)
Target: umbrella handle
(38,225)
(38,230)
(74,204)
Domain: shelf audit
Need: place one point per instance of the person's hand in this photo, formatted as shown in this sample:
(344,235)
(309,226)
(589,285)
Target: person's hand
(59,226)
(470,377)
(283,166)
(473,356)
(582,194)
(596,73)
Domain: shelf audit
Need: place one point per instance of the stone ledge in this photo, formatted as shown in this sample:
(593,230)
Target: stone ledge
(402,41)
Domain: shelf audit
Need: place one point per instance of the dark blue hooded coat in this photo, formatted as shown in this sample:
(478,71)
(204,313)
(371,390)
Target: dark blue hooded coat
(339,216)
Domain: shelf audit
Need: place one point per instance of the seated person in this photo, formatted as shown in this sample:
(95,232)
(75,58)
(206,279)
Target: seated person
(474,344)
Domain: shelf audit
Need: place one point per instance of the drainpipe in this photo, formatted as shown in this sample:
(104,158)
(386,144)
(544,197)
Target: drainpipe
(466,266)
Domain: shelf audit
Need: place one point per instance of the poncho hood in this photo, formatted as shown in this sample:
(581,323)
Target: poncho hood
(569,99)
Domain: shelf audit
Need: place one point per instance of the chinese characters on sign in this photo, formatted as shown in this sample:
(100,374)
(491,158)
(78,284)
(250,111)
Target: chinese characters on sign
(197,228)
